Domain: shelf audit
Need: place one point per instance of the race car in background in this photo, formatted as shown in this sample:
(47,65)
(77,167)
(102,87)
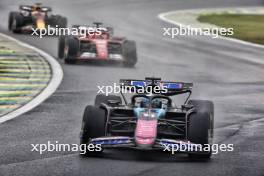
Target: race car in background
(101,46)
(34,16)
(150,120)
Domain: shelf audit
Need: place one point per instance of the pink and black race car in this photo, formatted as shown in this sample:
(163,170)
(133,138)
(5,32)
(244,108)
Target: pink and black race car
(151,120)
(98,45)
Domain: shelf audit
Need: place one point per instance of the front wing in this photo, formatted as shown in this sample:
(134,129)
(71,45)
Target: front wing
(170,145)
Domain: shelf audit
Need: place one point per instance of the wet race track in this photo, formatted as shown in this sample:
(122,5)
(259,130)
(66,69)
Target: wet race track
(221,71)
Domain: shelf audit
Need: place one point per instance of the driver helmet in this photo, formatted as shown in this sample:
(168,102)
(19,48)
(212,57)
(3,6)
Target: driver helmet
(156,103)
(36,7)
(144,103)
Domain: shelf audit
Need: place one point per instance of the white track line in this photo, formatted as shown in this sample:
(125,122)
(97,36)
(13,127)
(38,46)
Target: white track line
(162,16)
(57,75)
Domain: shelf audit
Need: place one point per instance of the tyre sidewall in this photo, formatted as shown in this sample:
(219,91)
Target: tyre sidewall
(93,124)
(18,18)
(130,53)
(72,45)
(61,46)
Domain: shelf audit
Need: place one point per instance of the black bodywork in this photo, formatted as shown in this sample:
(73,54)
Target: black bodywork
(150,120)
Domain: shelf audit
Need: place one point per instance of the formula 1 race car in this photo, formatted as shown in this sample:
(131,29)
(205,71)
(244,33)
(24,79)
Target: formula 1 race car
(34,16)
(151,120)
(99,45)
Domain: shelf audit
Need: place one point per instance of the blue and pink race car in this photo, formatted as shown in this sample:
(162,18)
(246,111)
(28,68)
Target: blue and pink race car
(151,120)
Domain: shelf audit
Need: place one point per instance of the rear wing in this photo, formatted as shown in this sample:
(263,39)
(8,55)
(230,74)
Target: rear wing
(168,88)
(87,27)
(109,30)
(30,8)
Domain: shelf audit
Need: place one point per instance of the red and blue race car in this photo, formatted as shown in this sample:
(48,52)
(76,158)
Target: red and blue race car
(151,120)
(35,16)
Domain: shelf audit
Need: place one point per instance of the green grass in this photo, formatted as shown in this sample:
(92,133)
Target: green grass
(246,27)
(5,51)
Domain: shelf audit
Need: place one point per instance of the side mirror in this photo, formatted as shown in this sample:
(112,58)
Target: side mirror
(187,106)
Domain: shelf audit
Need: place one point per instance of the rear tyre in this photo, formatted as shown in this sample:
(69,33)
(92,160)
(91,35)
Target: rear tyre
(15,22)
(130,53)
(58,20)
(101,98)
(200,128)
(93,126)
(62,22)
(61,46)
(72,45)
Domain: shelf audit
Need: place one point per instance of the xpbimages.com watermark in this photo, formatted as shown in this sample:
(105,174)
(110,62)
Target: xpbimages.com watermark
(191,31)
(59,147)
(190,147)
(83,32)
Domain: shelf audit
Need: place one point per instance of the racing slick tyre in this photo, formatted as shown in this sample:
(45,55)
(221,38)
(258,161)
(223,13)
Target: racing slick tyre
(10,20)
(200,128)
(205,106)
(61,46)
(62,22)
(15,22)
(93,126)
(130,53)
(72,48)
(101,98)
(58,20)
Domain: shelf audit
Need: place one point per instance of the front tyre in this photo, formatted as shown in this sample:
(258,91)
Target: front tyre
(93,126)
(205,106)
(10,20)
(61,46)
(200,127)
(15,22)
(72,49)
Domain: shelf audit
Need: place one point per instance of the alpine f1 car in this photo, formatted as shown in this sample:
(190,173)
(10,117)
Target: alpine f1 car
(100,45)
(151,120)
(34,16)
